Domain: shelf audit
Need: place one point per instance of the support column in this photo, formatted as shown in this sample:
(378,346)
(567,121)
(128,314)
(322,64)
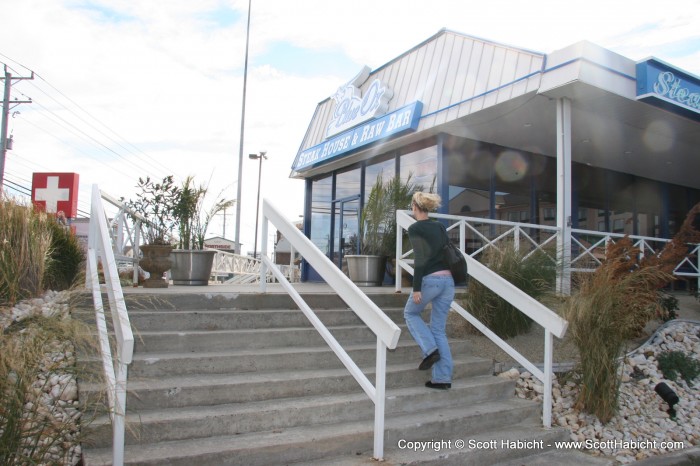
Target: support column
(564,195)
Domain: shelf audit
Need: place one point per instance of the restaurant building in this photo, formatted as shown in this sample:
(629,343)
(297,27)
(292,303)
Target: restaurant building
(578,138)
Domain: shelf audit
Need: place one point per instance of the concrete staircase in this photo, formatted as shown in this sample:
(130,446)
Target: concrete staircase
(244,379)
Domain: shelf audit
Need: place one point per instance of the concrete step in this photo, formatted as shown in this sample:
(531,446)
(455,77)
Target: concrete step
(522,444)
(150,426)
(233,319)
(314,442)
(216,340)
(245,301)
(265,359)
(196,390)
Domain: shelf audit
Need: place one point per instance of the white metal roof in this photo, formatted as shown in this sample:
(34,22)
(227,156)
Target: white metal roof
(500,94)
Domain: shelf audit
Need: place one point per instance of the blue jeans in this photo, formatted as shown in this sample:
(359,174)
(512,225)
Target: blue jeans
(440,291)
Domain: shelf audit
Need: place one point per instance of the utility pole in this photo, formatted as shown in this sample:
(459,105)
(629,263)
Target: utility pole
(5,115)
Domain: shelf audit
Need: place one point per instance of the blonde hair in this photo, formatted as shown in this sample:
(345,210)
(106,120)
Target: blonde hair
(427,202)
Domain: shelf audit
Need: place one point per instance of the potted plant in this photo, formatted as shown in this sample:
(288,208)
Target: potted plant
(378,229)
(156,203)
(192,264)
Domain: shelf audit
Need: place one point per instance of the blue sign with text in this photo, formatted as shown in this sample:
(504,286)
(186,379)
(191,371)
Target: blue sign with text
(667,87)
(393,124)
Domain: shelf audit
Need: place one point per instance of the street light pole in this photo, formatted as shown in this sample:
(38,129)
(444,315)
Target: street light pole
(257,205)
(240,147)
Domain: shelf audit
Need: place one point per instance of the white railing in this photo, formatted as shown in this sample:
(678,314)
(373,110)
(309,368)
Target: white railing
(115,371)
(386,331)
(125,232)
(552,323)
(592,247)
(588,247)
(234,268)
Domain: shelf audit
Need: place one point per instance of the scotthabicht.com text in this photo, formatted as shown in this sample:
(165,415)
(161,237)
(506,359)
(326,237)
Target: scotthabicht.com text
(505,444)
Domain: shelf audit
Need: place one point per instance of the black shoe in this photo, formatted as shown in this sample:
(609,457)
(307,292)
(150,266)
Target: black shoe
(438,386)
(429,360)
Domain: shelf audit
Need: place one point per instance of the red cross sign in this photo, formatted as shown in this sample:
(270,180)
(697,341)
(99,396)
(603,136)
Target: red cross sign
(54,192)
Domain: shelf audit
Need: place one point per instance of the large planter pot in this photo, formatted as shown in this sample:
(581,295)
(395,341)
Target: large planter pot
(366,270)
(156,261)
(191,267)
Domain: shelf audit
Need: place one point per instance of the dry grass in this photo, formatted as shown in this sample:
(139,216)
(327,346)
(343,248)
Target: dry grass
(25,242)
(39,423)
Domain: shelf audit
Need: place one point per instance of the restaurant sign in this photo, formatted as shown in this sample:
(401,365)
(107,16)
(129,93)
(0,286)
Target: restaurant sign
(393,124)
(670,88)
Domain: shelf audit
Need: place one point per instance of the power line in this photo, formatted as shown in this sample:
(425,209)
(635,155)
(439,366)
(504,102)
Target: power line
(141,156)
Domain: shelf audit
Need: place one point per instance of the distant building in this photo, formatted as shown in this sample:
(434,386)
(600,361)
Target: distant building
(220,243)
(283,249)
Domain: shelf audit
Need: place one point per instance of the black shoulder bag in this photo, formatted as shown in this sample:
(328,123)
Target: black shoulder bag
(455,261)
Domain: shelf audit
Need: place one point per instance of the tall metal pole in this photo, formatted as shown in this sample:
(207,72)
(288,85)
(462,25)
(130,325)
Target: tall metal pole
(240,149)
(257,207)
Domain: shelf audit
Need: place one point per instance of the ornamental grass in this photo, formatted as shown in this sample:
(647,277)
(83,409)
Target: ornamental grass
(25,242)
(534,273)
(612,306)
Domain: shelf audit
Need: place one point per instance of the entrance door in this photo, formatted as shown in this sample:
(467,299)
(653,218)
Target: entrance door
(346,229)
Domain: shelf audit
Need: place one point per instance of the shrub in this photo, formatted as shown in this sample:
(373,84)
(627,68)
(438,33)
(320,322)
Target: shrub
(25,241)
(65,259)
(674,363)
(534,274)
(668,305)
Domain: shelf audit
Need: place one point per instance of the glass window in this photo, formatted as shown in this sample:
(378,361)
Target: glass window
(421,165)
(384,165)
(619,225)
(321,197)
(468,172)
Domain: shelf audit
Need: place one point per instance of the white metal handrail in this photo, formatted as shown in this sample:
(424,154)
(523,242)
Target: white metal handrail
(552,323)
(386,331)
(125,232)
(100,252)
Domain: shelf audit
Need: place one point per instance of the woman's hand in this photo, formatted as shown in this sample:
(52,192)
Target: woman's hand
(417,298)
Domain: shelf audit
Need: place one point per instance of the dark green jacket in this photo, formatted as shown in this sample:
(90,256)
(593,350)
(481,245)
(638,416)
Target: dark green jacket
(427,238)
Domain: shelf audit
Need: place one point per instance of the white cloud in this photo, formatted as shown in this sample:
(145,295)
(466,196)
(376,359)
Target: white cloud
(165,78)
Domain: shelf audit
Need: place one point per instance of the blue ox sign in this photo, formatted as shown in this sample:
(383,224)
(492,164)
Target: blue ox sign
(667,87)
(393,124)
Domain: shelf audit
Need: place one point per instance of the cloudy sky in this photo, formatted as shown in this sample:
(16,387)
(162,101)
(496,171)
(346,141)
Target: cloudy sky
(130,88)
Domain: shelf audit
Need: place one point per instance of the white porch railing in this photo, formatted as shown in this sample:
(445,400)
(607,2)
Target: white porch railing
(552,323)
(385,329)
(588,247)
(236,269)
(592,246)
(115,371)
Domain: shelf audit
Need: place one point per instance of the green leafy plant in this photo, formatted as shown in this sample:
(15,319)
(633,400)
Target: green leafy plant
(378,222)
(674,363)
(157,203)
(192,217)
